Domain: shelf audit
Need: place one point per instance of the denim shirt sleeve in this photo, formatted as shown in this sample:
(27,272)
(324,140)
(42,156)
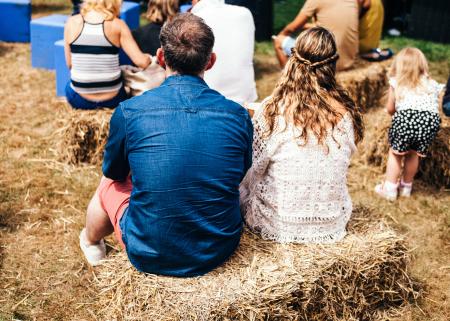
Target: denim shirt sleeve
(249,152)
(115,162)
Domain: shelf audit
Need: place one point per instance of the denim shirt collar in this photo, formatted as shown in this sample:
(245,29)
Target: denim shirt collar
(184,80)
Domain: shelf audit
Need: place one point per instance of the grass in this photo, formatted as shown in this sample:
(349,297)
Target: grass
(285,11)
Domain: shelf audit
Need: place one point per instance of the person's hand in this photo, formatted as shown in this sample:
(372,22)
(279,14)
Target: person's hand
(278,41)
(148,60)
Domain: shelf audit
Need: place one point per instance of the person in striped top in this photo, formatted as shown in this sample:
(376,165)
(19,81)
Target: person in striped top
(92,42)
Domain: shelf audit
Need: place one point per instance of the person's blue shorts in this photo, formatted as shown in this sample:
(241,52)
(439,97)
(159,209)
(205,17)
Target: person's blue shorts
(78,102)
(287,45)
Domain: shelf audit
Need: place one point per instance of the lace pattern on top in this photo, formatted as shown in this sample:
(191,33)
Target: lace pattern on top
(298,193)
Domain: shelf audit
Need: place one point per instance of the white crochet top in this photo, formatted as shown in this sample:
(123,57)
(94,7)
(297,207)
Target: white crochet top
(298,193)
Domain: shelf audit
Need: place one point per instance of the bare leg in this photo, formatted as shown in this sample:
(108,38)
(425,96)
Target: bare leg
(393,167)
(98,224)
(411,167)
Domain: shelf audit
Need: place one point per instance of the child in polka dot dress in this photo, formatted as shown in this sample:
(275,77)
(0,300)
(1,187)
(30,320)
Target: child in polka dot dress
(413,101)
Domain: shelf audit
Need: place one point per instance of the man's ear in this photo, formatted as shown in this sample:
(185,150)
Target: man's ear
(211,62)
(160,57)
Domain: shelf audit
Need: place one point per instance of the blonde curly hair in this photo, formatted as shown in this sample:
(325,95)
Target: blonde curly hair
(302,95)
(110,8)
(409,68)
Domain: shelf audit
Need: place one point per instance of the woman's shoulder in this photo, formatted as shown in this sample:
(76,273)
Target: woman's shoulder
(74,20)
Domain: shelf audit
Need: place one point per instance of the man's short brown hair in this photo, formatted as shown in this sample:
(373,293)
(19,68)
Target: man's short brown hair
(187,43)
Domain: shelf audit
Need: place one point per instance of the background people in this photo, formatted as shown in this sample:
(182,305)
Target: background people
(158,12)
(92,40)
(76,6)
(233,75)
(304,135)
(338,16)
(187,148)
(370,30)
(414,103)
(446,99)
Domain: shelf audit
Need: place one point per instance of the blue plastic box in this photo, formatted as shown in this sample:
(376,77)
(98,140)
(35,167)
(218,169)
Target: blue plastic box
(62,72)
(130,13)
(44,33)
(185,7)
(15,16)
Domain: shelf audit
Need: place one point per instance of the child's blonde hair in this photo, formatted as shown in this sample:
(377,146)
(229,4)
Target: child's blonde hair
(302,95)
(110,8)
(159,11)
(408,69)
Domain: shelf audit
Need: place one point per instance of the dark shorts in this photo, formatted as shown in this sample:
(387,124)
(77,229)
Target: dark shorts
(413,130)
(79,102)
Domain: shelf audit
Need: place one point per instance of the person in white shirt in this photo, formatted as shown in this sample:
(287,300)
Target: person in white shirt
(234,29)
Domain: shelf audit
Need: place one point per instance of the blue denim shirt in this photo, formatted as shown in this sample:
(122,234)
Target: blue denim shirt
(188,148)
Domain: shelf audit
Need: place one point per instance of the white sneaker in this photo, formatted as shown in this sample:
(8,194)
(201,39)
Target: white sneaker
(390,195)
(405,190)
(93,253)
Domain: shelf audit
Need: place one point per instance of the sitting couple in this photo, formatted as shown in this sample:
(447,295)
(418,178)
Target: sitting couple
(176,158)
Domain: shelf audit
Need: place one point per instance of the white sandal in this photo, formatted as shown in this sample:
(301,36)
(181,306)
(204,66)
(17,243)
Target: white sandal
(93,253)
(384,193)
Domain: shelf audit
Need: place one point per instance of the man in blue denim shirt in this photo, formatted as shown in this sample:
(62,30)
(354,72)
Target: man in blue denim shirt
(173,163)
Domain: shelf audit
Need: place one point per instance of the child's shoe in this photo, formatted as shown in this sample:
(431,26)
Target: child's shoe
(387,190)
(405,189)
(93,253)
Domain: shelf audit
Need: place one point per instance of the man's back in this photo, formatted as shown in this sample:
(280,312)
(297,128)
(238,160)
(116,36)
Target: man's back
(188,148)
(233,75)
(341,18)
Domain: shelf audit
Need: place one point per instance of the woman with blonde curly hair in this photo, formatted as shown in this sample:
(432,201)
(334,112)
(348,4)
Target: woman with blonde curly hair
(158,12)
(304,136)
(92,42)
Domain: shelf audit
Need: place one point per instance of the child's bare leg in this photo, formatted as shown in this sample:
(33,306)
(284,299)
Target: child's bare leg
(393,167)
(98,224)
(411,167)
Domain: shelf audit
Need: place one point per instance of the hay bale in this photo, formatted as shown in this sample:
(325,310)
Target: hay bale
(358,278)
(367,82)
(82,136)
(433,170)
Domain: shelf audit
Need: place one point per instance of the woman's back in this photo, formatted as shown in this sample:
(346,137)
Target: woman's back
(304,135)
(95,59)
(296,192)
(92,41)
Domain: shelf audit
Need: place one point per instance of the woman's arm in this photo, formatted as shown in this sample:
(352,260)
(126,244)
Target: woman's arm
(131,48)
(69,30)
(390,105)
(67,54)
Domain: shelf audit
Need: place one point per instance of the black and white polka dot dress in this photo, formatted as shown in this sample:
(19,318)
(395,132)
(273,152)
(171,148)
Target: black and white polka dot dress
(416,120)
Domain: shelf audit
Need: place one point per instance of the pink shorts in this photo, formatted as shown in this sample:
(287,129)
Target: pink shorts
(114,198)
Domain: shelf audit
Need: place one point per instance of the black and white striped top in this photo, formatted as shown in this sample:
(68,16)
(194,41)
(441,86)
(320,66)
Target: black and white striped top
(95,61)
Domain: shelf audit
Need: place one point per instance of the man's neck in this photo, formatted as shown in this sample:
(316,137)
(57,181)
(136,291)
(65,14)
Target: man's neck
(170,72)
